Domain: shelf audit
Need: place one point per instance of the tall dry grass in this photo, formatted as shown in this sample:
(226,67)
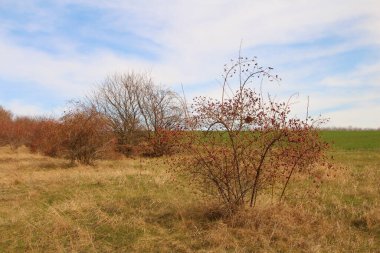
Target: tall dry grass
(136,206)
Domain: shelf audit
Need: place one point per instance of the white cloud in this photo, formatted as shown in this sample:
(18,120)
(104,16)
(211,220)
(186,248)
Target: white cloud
(365,76)
(70,76)
(193,39)
(21,109)
(362,116)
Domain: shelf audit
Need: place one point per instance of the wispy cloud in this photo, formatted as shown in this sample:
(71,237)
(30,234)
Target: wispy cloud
(322,49)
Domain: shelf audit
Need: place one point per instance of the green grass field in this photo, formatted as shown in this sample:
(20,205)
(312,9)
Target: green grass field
(352,140)
(136,205)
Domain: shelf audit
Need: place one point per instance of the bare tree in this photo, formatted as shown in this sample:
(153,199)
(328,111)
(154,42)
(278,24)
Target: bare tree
(162,112)
(136,108)
(160,108)
(116,98)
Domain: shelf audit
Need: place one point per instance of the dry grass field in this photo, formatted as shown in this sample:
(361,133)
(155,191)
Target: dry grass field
(135,205)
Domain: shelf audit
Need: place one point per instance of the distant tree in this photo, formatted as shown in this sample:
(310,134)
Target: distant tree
(116,98)
(160,108)
(162,113)
(137,110)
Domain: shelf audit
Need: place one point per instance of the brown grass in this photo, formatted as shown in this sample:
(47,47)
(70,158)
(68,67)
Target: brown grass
(135,206)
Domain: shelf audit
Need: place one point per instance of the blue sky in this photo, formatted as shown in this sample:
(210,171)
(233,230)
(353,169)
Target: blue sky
(53,51)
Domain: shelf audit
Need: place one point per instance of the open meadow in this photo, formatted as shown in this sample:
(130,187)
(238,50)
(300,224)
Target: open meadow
(189,126)
(138,205)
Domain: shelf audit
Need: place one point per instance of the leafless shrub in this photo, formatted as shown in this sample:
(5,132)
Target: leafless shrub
(5,126)
(85,135)
(244,144)
(45,137)
(39,134)
(16,131)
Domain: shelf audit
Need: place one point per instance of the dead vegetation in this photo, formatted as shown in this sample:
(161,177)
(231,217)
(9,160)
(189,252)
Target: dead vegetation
(134,205)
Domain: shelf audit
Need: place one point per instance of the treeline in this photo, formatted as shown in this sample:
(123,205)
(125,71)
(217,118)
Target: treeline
(126,115)
(349,128)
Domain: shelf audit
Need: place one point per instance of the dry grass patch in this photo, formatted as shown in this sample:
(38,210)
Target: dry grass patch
(134,206)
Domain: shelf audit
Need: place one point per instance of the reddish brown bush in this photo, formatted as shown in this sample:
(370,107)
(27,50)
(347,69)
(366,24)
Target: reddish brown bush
(5,126)
(16,131)
(245,144)
(22,130)
(85,135)
(160,142)
(46,137)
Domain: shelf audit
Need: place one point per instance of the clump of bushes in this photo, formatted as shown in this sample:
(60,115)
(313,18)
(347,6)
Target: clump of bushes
(126,114)
(81,135)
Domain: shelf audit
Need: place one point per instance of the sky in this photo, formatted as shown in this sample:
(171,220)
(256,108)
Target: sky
(327,51)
